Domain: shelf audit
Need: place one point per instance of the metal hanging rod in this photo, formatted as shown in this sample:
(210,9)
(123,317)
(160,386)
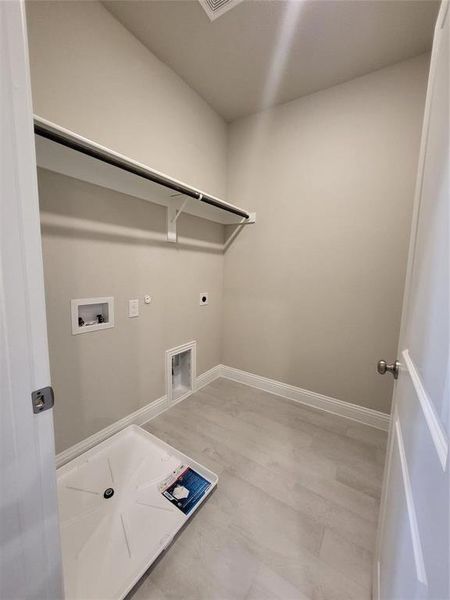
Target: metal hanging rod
(95,151)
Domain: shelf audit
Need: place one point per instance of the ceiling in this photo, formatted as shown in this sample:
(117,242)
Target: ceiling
(265,52)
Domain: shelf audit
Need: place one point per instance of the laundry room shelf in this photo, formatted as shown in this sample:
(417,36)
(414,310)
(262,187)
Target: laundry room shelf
(65,152)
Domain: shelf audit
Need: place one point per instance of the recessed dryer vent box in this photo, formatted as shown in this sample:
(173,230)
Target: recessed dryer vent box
(92,314)
(180,371)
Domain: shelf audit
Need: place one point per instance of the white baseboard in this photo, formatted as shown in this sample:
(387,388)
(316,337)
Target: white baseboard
(367,416)
(177,400)
(139,417)
(208,377)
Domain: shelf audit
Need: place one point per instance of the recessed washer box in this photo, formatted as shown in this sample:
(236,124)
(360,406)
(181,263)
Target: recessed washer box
(92,314)
(115,518)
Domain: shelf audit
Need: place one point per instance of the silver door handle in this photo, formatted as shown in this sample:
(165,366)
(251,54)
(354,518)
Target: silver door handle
(383,368)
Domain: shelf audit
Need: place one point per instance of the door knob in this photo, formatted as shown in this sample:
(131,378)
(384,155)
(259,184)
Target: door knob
(383,368)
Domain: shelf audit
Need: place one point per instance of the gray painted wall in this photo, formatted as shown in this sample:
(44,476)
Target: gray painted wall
(313,292)
(91,75)
(101,243)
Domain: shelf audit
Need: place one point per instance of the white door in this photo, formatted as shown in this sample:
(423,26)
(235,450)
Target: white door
(30,563)
(412,559)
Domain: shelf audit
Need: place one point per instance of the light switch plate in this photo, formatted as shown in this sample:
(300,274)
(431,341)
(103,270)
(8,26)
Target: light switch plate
(133,307)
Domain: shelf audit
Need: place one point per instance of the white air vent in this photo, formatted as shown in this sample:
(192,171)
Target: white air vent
(216,8)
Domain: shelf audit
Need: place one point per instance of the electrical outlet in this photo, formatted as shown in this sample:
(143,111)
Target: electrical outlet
(147,299)
(133,307)
(203,298)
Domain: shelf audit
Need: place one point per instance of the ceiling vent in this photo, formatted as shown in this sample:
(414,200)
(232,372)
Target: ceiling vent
(216,8)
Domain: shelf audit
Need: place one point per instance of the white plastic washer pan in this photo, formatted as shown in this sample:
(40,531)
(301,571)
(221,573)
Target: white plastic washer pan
(114,520)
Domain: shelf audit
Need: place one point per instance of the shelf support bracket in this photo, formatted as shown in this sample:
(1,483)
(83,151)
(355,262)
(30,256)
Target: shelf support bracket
(171,224)
(178,211)
(172,215)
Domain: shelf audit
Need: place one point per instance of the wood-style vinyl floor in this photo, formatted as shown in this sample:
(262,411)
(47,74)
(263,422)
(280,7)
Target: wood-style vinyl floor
(295,511)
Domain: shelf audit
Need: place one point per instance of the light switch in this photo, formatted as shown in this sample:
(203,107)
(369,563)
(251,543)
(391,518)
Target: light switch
(133,307)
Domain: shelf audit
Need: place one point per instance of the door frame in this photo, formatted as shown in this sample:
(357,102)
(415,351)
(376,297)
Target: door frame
(30,560)
(442,15)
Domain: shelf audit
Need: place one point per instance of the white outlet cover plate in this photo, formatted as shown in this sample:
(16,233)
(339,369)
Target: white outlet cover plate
(202,296)
(133,307)
(109,543)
